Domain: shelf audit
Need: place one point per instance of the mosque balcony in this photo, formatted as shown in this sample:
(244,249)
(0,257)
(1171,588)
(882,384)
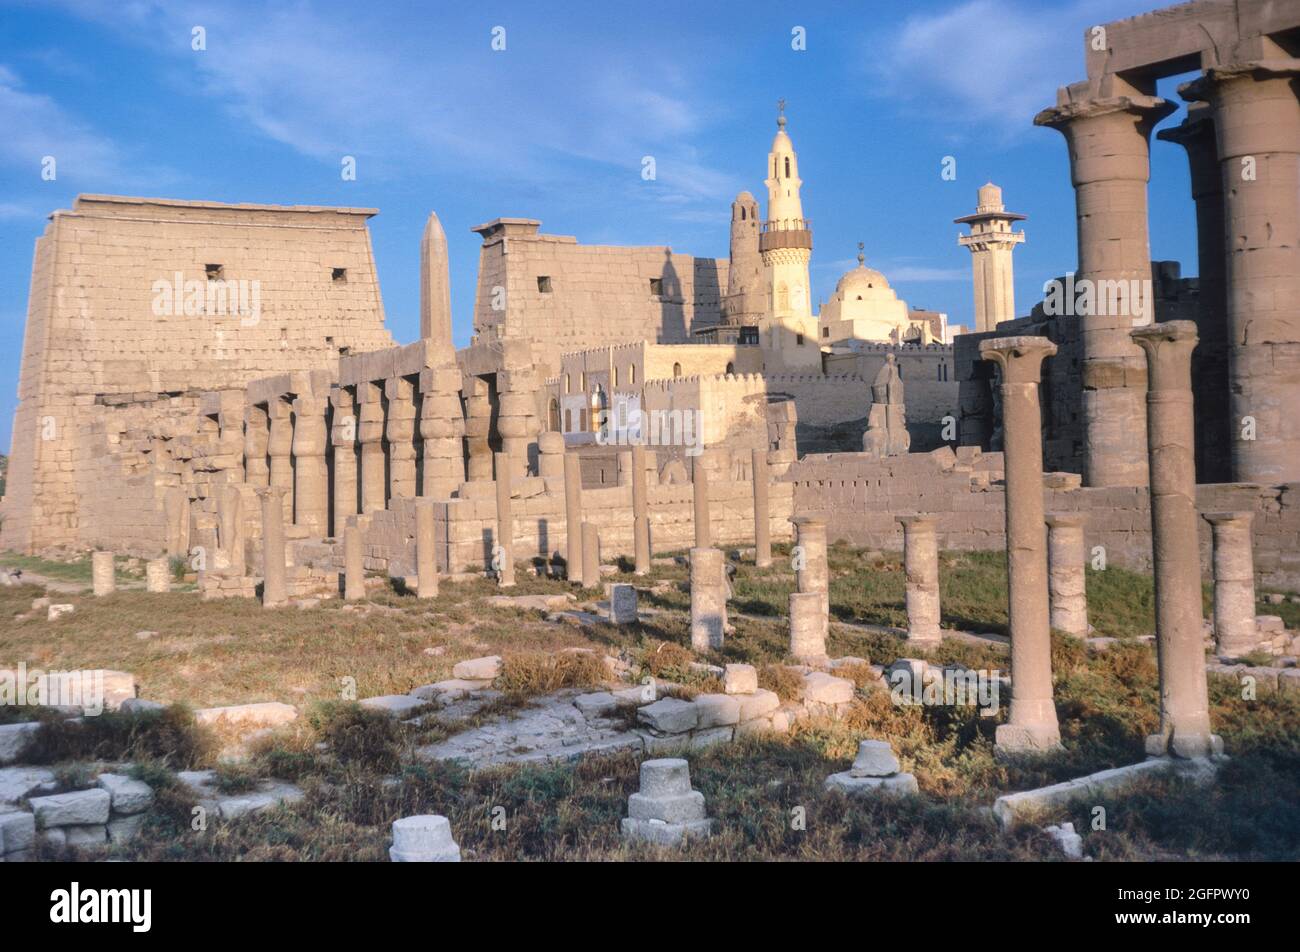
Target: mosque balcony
(786,233)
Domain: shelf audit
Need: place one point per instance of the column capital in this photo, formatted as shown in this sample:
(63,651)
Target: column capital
(1020,358)
(1241,518)
(1066,520)
(1201,89)
(917,521)
(1168,346)
(809,522)
(1150,109)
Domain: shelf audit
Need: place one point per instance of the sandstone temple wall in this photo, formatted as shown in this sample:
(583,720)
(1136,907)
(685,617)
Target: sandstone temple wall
(138,301)
(859,498)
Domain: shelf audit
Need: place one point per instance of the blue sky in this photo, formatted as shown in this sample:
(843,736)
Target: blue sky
(556,125)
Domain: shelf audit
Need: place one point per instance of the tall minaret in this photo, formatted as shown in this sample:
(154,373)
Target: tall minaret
(786,247)
(991,241)
(746,297)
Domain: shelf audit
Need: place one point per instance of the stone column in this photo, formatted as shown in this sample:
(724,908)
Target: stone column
(400,433)
(230,516)
(1109,144)
(700,493)
(256,434)
(1235,632)
(1032,724)
(343,436)
(442,432)
(624,468)
(1066,578)
(279,447)
(158,576)
(762,510)
(478,427)
(311,496)
(573,517)
(354,566)
(1214,428)
(640,513)
(708,599)
(921,566)
(590,555)
(370,435)
(518,423)
(103,580)
(274,590)
(1257,124)
(426,559)
(550,458)
(1184,697)
(808,627)
(812,573)
(176,504)
(505,524)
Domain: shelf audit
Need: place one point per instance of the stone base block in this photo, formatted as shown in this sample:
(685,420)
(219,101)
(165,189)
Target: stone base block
(1184,746)
(899,784)
(682,808)
(666,834)
(1022,739)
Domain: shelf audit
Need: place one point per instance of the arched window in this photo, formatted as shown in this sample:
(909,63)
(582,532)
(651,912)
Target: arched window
(568,383)
(631,375)
(743,212)
(554,416)
(787,166)
(731,368)
(677,370)
(616,376)
(568,421)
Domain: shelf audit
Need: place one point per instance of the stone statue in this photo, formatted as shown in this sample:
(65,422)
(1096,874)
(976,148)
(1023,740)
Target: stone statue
(887,423)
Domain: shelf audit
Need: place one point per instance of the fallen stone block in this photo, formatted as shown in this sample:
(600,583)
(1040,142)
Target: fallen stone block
(901,784)
(17,831)
(15,739)
(395,705)
(423,839)
(669,715)
(450,689)
(55,612)
(247,716)
(86,837)
(478,669)
(822,688)
(124,829)
(1070,842)
(759,704)
(740,679)
(129,796)
(666,811)
(717,710)
(79,808)
(18,783)
(701,739)
(1288,681)
(875,758)
(597,704)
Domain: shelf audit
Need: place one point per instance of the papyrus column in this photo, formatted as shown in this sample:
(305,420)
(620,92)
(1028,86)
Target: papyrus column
(1235,631)
(1257,123)
(400,433)
(370,436)
(442,432)
(700,497)
(1184,697)
(230,524)
(426,559)
(573,518)
(1109,142)
(274,591)
(158,576)
(708,599)
(812,571)
(505,554)
(640,513)
(808,626)
(279,447)
(1032,724)
(311,495)
(590,555)
(762,509)
(478,427)
(1214,429)
(343,436)
(1066,573)
(256,434)
(103,581)
(354,566)
(921,566)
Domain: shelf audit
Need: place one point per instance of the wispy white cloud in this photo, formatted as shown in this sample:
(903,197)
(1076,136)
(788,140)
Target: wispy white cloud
(989,61)
(36,127)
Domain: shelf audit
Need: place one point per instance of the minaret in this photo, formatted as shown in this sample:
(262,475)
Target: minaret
(991,241)
(786,247)
(746,290)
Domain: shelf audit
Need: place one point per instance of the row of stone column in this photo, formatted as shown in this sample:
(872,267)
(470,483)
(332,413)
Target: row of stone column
(1244,152)
(103,576)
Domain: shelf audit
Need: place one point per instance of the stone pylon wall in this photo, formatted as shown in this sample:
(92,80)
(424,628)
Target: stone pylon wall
(143,301)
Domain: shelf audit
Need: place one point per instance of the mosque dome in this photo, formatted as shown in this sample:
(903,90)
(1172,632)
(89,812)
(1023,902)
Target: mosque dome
(863,283)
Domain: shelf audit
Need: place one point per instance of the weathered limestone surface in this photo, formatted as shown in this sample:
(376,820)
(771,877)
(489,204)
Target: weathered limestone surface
(640,513)
(504,558)
(274,591)
(102,577)
(1032,724)
(666,811)
(808,626)
(423,839)
(1066,576)
(1184,695)
(1235,631)
(708,599)
(761,474)
(354,565)
(921,565)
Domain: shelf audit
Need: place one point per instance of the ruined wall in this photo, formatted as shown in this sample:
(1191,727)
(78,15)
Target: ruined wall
(930,388)
(859,498)
(150,298)
(591,295)
(466,528)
